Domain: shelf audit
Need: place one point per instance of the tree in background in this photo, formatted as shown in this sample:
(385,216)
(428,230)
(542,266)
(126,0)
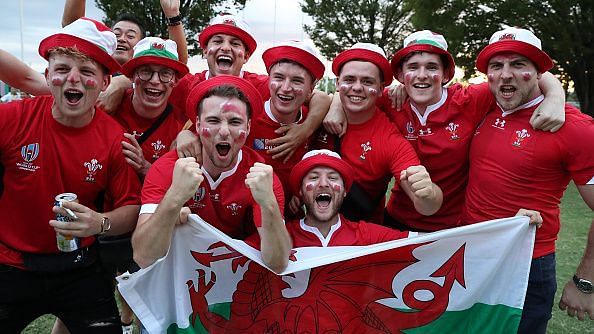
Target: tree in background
(196,15)
(339,24)
(566,28)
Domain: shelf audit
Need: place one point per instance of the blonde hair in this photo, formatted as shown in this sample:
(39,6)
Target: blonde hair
(75,53)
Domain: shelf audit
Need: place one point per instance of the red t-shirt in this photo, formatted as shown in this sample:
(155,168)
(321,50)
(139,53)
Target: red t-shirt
(441,138)
(180,93)
(158,143)
(226,203)
(513,166)
(262,130)
(42,158)
(376,151)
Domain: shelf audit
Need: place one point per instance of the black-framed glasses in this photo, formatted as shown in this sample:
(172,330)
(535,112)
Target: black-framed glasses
(146,74)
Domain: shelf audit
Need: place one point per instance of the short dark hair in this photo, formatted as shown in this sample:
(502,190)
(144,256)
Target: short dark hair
(289,61)
(131,18)
(226,91)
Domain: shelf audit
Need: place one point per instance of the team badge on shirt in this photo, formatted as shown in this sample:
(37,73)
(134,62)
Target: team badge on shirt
(521,136)
(452,128)
(29,153)
(499,124)
(157,148)
(198,197)
(92,167)
(410,131)
(366,147)
(234,207)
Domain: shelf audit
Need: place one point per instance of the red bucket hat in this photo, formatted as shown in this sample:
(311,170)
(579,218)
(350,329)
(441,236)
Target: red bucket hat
(364,52)
(302,53)
(88,36)
(200,90)
(154,50)
(229,25)
(318,158)
(515,40)
(425,41)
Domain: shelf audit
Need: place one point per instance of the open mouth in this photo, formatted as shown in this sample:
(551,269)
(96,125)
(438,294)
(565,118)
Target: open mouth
(154,93)
(122,47)
(507,91)
(285,98)
(323,200)
(223,149)
(224,61)
(73,95)
(356,98)
(421,85)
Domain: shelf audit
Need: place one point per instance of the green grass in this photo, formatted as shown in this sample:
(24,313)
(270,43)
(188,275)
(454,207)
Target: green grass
(576,218)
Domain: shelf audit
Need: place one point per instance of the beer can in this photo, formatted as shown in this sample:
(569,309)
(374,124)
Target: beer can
(66,243)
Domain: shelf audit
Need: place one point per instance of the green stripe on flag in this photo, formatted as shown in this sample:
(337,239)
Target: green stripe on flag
(222,309)
(480,318)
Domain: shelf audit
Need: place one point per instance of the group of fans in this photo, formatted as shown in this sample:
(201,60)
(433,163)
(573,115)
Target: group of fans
(270,159)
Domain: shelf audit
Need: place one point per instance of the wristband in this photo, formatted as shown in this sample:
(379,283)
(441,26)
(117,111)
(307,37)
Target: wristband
(174,21)
(105,225)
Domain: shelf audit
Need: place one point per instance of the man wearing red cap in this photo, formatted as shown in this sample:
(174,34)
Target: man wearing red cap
(439,123)
(239,194)
(321,180)
(56,144)
(371,144)
(506,158)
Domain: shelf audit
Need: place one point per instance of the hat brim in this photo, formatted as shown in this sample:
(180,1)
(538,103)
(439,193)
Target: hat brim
(541,60)
(246,38)
(310,62)
(86,47)
(200,90)
(321,160)
(131,65)
(402,53)
(363,55)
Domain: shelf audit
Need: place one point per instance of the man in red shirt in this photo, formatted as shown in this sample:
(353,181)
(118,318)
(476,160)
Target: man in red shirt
(371,144)
(56,144)
(513,166)
(216,191)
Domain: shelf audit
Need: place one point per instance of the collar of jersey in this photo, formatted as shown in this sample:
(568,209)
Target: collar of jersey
(214,184)
(271,116)
(325,241)
(526,105)
(430,108)
(207,75)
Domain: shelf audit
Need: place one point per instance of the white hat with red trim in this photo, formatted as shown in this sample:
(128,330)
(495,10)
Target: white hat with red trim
(300,52)
(229,25)
(88,36)
(154,50)
(424,41)
(364,52)
(515,40)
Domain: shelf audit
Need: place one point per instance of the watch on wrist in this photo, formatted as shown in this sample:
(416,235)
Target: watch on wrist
(174,21)
(583,285)
(105,225)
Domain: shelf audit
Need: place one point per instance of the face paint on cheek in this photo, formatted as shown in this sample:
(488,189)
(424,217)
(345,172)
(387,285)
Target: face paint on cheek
(211,50)
(274,86)
(240,54)
(344,87)
(57,81)
(309,186)
(90,84)
(491,77)
(336,187)
(408,77)
(526,76)
(205,132)
(372,91)
(242,134)
(436,77)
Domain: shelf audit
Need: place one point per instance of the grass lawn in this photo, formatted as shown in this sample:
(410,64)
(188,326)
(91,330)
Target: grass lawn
(576,218)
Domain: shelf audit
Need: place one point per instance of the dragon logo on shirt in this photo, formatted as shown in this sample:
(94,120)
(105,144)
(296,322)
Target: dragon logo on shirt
(521,135)
(92,167)
(157,148)
(452,128)
(234,207)
(366,147)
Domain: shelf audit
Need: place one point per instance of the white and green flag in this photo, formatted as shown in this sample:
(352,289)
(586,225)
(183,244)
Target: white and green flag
(470,279)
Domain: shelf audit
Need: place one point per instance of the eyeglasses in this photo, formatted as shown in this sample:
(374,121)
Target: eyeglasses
(146,74)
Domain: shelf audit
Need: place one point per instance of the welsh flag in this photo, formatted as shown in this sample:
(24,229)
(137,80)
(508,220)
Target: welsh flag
(469,279)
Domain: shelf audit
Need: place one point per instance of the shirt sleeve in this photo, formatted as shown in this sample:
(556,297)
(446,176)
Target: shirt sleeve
(8,122)
(402,154)
(577,136)
(157,181)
